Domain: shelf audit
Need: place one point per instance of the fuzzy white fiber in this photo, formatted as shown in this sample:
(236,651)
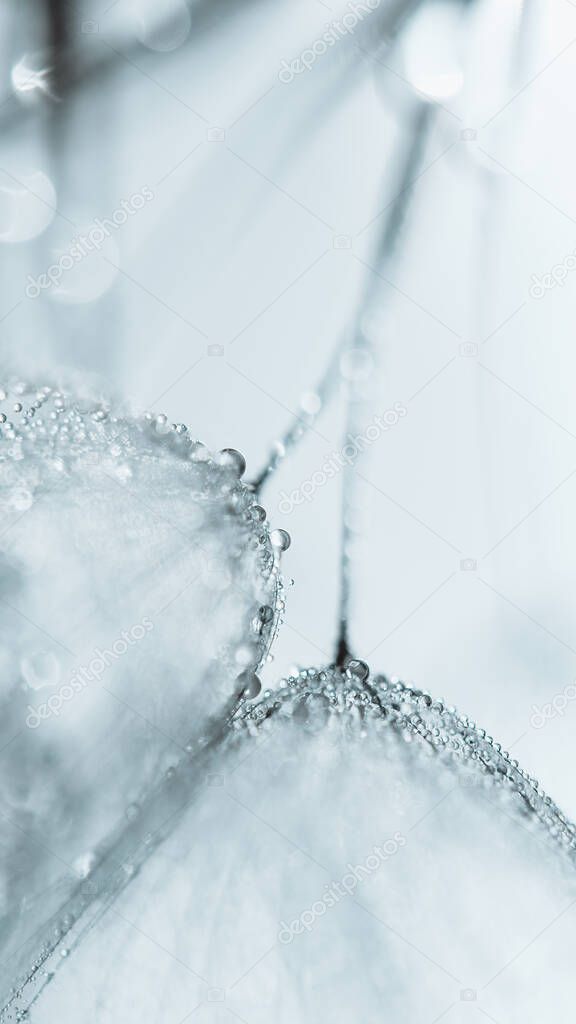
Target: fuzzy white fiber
(459,917)
(311,868)
(132,567)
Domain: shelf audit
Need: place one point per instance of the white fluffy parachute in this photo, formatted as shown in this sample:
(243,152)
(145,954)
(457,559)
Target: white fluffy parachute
(333,862)
(139,592)
(346,849)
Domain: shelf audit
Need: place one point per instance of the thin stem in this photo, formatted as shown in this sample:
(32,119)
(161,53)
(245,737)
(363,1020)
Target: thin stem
(304,422)
(393,215)
(362,346)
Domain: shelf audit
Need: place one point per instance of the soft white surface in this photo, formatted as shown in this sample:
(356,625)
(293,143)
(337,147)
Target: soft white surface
(238,250)
(130,584)
(471,899)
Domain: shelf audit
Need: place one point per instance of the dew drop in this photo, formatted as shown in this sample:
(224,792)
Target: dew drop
(162,426)
(257,514)
(229,458)
(249,685)
(280,539)
(357,670)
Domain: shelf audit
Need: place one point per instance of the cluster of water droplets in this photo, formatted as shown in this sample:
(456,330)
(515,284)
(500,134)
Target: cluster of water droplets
(314,695)
(58,434)
(71,458)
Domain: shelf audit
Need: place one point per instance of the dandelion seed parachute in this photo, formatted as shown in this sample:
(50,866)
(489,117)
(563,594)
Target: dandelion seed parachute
(340,850)
(137,583)
(347,857)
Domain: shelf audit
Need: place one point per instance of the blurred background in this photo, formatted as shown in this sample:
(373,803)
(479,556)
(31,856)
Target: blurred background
(192,197)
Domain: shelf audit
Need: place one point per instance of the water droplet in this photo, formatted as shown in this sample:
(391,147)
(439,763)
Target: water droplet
(229,458)
(249,684)
(257,514)
(162,425)
(357,670)
(280,539)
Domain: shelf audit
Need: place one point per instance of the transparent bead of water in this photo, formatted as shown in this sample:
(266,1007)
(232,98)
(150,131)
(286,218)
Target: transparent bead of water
(249,684)
(257,513)
(280,539)
(162,426)
(357,670)
(229,458)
